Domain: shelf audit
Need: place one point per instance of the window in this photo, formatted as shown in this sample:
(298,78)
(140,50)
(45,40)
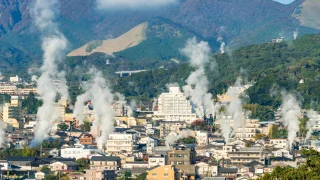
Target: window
(165,174)
(154,174)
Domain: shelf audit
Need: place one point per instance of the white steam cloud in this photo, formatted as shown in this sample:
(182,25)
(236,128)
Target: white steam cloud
(234,108)
(222,45)
(2,134)
(99,93)
(173,137)
(311,115)
(197,82)
(132,4)
(53,45)
(225,129)
(295,34)
(290,110)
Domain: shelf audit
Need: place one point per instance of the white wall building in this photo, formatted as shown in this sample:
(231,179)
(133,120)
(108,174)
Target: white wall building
(118,142)
(202,138)
(154,161)
(79,151)
(174,106)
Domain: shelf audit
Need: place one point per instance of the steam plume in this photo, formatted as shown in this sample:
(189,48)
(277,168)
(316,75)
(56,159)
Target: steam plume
(173,137)
(311,115)
(53,45)
(99,93)
(295,34)
(290,110)
(222,45)
(197,82)
(234,108)
(225,129)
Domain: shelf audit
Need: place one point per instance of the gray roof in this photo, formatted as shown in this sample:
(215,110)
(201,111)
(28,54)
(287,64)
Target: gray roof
(20,158)
(228,170)
(105,158)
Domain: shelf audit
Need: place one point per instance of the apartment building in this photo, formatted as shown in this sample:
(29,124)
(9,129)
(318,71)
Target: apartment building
(181,156)
(163,172)
(11,112)
(202,138)
(13,90)
(246,155)
(79,151)
(156,160)
(174,106)
(121,143)
(166,127)
(105,162)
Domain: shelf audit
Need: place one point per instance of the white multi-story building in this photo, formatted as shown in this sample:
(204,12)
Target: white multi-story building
(202,138)
(174,106)
(154,161)
(121,143)
(79,151)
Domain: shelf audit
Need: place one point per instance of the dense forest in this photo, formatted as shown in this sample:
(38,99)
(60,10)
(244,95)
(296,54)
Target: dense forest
(270,67)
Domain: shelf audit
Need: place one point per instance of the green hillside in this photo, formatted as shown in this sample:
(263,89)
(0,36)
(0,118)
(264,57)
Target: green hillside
(268,65)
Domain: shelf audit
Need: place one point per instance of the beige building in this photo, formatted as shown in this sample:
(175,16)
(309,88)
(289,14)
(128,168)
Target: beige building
(64,166)
(166,127)
(174,106)
(94,174)
(13,90)
(181,156)
(121,143)
(105,162)
(204,169)
(246,155)
(163,173)
(11,112)
(202,138)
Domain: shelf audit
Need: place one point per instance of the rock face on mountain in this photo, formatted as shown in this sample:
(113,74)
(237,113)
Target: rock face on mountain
(237,22)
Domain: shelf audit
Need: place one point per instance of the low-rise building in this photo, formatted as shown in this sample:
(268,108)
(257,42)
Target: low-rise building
(246,155)
(105,162)
(79,151)
(64,166)
(121,143)
(154,161)
(166,127)
(202,138)
(163,172)
(181,155)
(204,169)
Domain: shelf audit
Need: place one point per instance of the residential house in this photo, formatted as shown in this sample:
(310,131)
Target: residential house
(86,139)
(150,143)
(5,165)
(166,127)
(105,162)
(79,151)
(167,172)
(76,176)
(64,166)
(135,164)
(155,160)
(94,174)
(229,173)
(25,163)
(204,169)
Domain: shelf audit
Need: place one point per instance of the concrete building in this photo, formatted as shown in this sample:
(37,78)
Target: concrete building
(246,155)
(11,112)
(154,161)
(166,127)
(163,172)
(204,169)
(181,156)
(94,174)
(118,142)
(79,151)
(105,162)
(13,90)
(202,138)
(174,106)
(14,79)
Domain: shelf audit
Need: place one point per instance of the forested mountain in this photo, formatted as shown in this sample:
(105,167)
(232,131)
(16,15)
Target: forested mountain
(270,66)
(238,22)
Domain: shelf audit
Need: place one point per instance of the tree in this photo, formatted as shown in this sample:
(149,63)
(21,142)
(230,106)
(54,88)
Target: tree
(142,176)
(63,127)
(85,126)
(45,169)
(84,163)
(188,140)
(259,136)
(31,103)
